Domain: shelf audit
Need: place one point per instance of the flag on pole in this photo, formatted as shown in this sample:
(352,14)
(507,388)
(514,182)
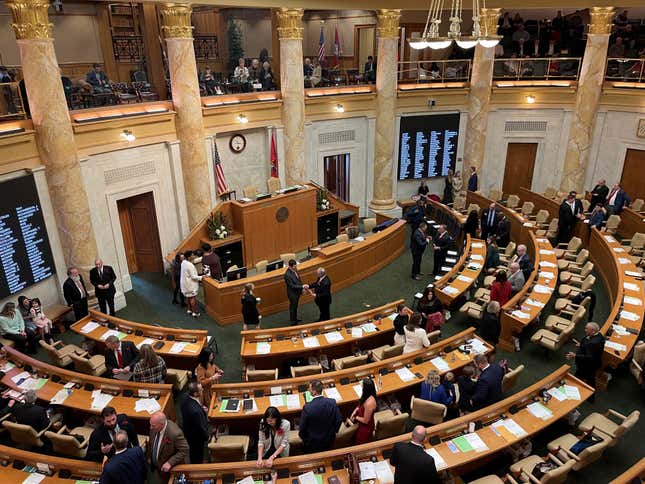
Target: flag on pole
(336,49)
(321,46)
(274,156)
(219,171)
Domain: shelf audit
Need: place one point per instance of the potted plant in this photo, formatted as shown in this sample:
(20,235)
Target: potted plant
(218,226)
(322,200)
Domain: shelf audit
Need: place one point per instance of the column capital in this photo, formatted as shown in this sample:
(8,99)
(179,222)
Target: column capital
(290,23)
(488,20)
(30,19)
(175,19)
(601,20)
(388,23)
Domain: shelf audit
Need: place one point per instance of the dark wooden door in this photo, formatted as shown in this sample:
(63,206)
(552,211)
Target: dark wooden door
(633,179)
(140,233)
(520,161)
(337,175)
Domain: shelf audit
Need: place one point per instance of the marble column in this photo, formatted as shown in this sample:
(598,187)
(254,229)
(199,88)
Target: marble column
(386,82)
(54,134)
(293,95)
(481,81)
(184,83)
(592,74)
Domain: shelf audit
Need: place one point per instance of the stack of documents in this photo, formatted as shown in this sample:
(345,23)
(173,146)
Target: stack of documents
(334,337)
(440,363)
(262,348)
(100,400)
(405,374)
(177,348)
(469,442)
(369,327)
(149,405)
(89,327)
(439,462)
(146,341)
(333,393)
(311,342)
(539,411)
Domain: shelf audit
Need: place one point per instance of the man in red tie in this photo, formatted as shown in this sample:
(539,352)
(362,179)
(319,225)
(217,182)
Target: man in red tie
(75,293)
(120,357)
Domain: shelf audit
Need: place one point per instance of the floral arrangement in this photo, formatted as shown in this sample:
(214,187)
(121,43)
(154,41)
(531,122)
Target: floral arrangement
(218,226)
(322,200)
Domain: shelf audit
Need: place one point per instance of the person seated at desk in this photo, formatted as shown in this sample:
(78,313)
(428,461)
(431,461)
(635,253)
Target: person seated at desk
(127,465)
(434,391)
(98,80)
(411,462)
(208,80)
(254,71)
(120,357)
(597,217)
(250,312)
(307,69)
(516,278)
(363,414)
(320,420)
(399,323)
(12,326)
(415,337)
(207,373)
(241,75)
(492,254)
(524,260)
(370,69)
(488,389)
(431,310)
(28,413)
(151,368)
(273,437)
(102,438)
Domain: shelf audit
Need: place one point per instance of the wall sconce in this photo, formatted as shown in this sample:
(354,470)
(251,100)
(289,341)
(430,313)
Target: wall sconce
(530,99)
(340,108)
(128,135)
(242,118)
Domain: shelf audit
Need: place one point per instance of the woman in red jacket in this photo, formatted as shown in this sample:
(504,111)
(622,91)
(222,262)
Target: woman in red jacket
(500,291)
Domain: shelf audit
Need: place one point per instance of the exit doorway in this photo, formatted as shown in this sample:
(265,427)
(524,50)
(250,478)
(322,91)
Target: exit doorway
(138,220)
(520,162)
(336,168)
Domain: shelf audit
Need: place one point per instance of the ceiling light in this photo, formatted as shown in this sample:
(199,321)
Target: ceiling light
(530,99)
(242,118)
(440,43)
(128,135)
(340,108)
(418,44)
(466,42)
(489,42)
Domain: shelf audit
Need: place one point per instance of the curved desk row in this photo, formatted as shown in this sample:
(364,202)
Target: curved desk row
(179,347)
(345,263)
(631,222)
(392,375)
(59,470)
(75,391)
(270,348)
(463,274)
(521,408)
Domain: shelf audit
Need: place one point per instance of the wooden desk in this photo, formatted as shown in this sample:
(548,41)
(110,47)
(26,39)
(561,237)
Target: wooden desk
(80,399)
(80,469)
(288,342)
(419,362)
(362,259)
(630,223)
(608,256)
(634,472)
(464,273)
(459,462)
(186,359)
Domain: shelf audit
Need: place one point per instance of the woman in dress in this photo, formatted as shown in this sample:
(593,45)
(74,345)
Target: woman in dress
(273,437)
(207,373)
(363,415)
(150,368)
(447,190)
(250,308)
(429,305)
(176,278)
(415,337)
(42,322)
(501,289)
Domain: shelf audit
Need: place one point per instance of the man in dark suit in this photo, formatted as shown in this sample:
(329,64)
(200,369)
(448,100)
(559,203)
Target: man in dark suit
(370,69)
(568,214)
(411,462)
(617,199)
(28,413)
(473,181)
(322,288)
(98,79)
(195,422)
(102,278)
(588,356)
(294,290)
(599,193)
(488,389)
(417,247)
(503,233)
(102,438)
(441,244)
(167,446)
(127,465)
(319,421)
(75,293)
(120,357)
(524,261)
(415,215)
(489,220)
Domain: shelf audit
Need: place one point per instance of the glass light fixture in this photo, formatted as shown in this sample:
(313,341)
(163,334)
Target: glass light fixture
(467,42)
(340,108)
(128,135)
(439,43)
(488,42)
(417,44)
(530,99)
(242,118)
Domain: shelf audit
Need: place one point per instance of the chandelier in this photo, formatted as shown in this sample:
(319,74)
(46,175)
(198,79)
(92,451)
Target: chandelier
(487,36)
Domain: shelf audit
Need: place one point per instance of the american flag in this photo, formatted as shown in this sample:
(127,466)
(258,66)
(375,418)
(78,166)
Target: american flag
(321,47)
(219,171)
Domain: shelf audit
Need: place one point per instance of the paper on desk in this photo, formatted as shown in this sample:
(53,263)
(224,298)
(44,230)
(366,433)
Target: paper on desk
(405,374)
(548,275)
(333,393)
(177,348)
(369,327)
(450,260)
(149,405)
(275,390)
(622,260)
(440,363)
(277,400)
(615,346)
(618,249)
(60,396)
(100,400)
(360,238)
(533,302)
(358,388)
(539,410)
(383,472)
(634,301)
(546,252)
(546,263)
(357,332)
(246,480)
(69,385)
(293,401)
(439,463)
(527,224)
(634,273)
(541,289)
(450,290)
(34,478)
(367,470)
(477,245)
(7,366)
(631,286)
(609,238)
(572,392)
(147,341)
(307,478)
(474,266)
(311,342)
(620,329)
(89,327)
(477,346)
(476,442)
(334,337)
(557,393)
(476,257)
(461,277)
(20,376)
(629,315)
(262,348)
(109,332)
(520,314)
(393,316)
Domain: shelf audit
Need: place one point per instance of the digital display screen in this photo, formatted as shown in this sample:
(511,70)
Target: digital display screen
(25,255)
(428,145)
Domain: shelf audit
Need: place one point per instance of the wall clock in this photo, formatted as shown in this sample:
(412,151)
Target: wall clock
(237,143)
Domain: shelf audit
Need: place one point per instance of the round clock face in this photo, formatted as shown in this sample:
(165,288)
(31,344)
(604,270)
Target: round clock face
(237,143)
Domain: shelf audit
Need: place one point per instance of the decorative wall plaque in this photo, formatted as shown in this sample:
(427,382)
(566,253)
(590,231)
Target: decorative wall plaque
(282,214)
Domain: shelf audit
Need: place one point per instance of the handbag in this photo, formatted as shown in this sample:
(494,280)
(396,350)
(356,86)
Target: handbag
(435,320)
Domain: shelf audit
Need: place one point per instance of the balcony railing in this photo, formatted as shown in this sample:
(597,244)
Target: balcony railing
(330,77)
(550,68)
(439,71)
(11,105)
(128,48)
(206,47)
(629,70)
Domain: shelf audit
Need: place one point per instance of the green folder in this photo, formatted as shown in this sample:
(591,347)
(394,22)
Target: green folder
(121,335)
(222,407)
(41,383)
(462,444)
(308,397)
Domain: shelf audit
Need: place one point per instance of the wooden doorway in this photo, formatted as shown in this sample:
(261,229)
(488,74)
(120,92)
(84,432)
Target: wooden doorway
(633,180)
(337,175)
(520,161)
(140,233)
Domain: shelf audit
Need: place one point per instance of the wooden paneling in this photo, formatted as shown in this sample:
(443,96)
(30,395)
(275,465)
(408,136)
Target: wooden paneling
(630,223)
(143,234)
(78,468)
(206,22)
(152,48)
(633,178)
(520,161)
(18,151)
(105,38)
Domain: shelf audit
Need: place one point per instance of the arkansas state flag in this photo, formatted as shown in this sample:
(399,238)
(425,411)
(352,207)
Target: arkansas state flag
(274,156)
(336,49)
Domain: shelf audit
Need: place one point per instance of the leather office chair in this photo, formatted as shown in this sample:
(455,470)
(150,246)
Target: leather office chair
(250,192)
(551,231)
(296,447)
(229,448)
(287,257)
(560,322)
(60,353)
(572,247)
(177,378)
(261,266)
(426,411)
(507,254)
(90,365)
(495,195)
(574,288)
(637,362)
(65,442)
(7,342)
(369,224)
(25,435)
(564,304)
(635,244)
(611,226)
(577,273)
(509,380)
(493,479)
(512,202)
(297,371)
(261,375)
(349,362)
(557,475)
(541,219)
(561,446)
(527,209)
(342,238)
(586,205)
(434,336)
(605,428)
(637,205)
(550,340)
(387,424)
(387,351)
(232,268)
(345,436)
(273,184)
(550,192)
(569,262)
(476,307)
